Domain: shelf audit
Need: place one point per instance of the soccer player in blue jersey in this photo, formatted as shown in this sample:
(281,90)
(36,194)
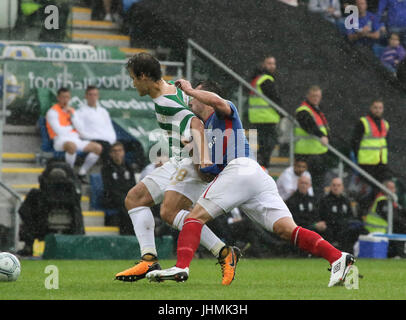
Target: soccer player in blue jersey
(239,182)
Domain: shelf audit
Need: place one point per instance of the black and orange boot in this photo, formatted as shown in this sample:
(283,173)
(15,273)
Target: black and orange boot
(228,259)
(148,262)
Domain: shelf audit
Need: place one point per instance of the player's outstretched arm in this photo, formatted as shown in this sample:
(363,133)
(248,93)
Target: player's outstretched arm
(220,105)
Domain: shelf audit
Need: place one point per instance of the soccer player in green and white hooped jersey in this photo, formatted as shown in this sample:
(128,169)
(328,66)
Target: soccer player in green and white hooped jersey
(178,183)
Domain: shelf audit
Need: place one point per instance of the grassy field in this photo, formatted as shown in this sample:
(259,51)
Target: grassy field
(270,279)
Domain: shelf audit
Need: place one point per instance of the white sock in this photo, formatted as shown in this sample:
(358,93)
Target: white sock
(144,228)
(208,239)
(70,158)
(90,160)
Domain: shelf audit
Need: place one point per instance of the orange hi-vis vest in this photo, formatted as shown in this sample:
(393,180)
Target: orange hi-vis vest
(64,120)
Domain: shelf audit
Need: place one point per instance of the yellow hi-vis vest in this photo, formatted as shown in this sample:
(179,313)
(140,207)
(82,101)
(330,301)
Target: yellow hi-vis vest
(374,222)
(306,143)
(373,148)
(259,110)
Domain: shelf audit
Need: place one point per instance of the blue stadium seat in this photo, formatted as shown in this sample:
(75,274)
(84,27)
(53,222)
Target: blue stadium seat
(96,194)
(47,143)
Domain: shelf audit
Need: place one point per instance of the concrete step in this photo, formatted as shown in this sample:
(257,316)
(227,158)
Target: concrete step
(21,139)
(129,52)
(93,218)
(20,174)
(18,157)
(102,231)
(96,39)
(80,13)
(91,30)
(108,26)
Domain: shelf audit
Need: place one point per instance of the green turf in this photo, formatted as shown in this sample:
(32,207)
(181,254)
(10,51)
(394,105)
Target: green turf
(269,279)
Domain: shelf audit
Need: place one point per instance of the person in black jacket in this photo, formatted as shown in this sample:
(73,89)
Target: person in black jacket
(303,207)
(118,178)
(336,210)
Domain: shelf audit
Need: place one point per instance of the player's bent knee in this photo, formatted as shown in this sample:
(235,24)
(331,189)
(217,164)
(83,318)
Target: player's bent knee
(200,213)
(284,228)
(138,196)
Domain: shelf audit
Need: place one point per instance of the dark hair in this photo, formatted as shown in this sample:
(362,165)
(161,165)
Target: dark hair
(395,34)
(212,86)
(145,64)
(267,56)
(117,144)
(90,88)
(61,90)
(299,158)
(377,100)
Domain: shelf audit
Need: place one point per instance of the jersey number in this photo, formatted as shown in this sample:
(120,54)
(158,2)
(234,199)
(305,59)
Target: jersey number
(181,174)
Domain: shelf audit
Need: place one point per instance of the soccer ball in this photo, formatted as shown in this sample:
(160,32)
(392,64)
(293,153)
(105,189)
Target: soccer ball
(10,267)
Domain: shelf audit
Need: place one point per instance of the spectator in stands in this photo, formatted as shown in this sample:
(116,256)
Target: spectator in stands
(329,9)
(261,116)
(93,122)
(302,205)
(370,29)
(336,210)
(312,138)
(376,219)
(370,142)
(112,9)
(66,138)
(393,54)
(287,181)
(395,18)
(118,178)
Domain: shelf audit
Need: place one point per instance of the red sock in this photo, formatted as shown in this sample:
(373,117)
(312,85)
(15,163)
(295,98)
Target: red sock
(313,243)
(188,242)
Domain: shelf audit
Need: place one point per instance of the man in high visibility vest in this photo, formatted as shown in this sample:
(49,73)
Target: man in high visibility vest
(369,142)
(66,138)
(376,219)
(311,137)
(261,116)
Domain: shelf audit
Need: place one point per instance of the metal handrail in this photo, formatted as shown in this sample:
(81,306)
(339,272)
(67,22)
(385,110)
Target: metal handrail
(15,221)
(194,45)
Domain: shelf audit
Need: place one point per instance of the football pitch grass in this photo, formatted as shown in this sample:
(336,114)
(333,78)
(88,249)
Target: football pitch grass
(256,279)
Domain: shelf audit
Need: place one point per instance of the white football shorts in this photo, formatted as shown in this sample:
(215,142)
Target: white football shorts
(158,180)
(74,137)
(244,184)
(186,181)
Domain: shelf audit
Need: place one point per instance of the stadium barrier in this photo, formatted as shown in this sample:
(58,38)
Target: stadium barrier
(59,246)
